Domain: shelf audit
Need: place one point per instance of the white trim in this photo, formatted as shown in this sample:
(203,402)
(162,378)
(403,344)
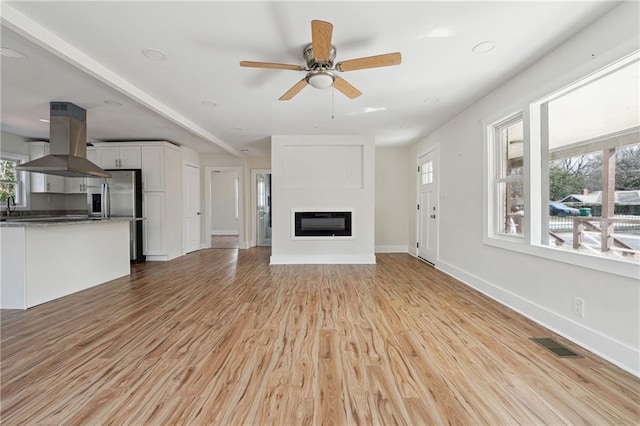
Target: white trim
(344,259)
(614,351)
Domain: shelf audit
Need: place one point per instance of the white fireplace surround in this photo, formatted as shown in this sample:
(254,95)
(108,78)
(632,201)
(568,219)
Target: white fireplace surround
(323,173)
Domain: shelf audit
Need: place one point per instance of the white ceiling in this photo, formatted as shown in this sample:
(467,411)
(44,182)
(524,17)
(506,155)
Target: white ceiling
(90,52)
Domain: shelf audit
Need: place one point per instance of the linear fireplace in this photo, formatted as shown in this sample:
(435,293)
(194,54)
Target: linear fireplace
(322,224)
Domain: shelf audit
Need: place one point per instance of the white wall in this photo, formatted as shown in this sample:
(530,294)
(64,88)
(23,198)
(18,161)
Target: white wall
(223,220)
(323,172)
(538,287)
(392,199)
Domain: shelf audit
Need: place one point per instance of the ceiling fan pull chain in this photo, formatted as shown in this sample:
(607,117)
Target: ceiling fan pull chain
(333,91)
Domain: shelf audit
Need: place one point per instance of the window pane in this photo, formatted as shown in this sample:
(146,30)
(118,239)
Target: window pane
(510,150)
(8,187)
(586,127)
(9,190)
(510,207)
(426,175)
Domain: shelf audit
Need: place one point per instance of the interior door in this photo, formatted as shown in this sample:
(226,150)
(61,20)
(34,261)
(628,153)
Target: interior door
(428,208)
(191,208)
(263,205)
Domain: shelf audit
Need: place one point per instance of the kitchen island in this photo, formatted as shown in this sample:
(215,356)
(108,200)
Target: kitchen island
(46,258)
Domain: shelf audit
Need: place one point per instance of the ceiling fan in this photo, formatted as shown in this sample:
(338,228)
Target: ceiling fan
(320,69)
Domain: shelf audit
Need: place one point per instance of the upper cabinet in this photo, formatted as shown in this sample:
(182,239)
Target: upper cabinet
(40,182)
(153,168)
(114,156)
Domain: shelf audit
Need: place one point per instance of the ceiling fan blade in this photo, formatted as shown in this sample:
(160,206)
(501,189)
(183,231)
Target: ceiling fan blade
(370,62)
(271,65)
(321,39)
(346,88)
(294,90)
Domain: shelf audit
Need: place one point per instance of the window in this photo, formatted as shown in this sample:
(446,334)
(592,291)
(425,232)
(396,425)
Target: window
(426,172)
(564,175)
(507,176)
(12,182)
(593,148)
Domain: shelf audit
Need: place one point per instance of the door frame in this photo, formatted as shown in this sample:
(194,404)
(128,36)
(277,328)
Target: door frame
(254,204)
(241,207)
(435,150)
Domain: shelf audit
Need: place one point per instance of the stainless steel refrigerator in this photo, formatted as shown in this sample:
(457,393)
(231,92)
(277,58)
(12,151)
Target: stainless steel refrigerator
(120,196)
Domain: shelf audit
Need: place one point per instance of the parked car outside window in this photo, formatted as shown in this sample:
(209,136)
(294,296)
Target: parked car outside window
(559,209)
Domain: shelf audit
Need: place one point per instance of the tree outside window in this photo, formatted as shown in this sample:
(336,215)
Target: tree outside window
(9,184)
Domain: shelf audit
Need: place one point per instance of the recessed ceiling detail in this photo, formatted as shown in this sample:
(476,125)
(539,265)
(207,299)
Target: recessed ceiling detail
(154,54)
(484,47)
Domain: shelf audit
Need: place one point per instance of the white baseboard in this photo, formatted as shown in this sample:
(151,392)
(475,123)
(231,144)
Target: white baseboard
(224,232)
(391,249)
(618,353)
(323,259)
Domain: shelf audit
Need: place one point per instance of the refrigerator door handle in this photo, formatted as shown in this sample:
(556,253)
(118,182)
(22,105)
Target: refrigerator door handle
(105,207)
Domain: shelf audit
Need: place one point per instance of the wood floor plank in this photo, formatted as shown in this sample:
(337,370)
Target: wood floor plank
(221,337)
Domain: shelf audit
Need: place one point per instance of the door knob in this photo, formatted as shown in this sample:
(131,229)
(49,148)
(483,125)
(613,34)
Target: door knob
(198,213)
(433,216)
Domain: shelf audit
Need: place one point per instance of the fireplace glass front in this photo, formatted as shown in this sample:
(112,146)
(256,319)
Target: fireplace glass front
(322,224)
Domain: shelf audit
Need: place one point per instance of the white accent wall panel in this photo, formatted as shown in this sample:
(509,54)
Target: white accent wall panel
(317,173)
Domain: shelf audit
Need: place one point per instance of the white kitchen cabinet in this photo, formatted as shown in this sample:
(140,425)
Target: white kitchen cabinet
(153,168)
(41,183)
(75,185)
(112,156)
(153,209)
(162,199)
(92,154)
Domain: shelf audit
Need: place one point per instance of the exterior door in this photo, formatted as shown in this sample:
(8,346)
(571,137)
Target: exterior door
(428,208)
(191,208)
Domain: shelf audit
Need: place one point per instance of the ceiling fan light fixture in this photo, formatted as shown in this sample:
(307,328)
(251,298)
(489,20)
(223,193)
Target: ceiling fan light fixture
(320,79)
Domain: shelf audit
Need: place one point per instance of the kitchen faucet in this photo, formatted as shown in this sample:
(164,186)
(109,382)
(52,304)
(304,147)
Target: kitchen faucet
(10,200)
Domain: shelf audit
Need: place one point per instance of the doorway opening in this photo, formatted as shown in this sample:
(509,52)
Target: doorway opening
(224,207)
(263,209)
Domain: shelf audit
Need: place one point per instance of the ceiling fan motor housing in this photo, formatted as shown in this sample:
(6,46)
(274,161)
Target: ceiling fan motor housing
(313,63)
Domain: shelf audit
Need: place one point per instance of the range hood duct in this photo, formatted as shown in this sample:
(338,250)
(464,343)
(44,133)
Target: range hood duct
(68,145)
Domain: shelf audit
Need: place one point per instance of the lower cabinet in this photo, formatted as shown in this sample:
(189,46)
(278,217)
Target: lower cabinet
(154,225)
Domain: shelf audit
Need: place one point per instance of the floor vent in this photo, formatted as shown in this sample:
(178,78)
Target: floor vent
(555,347)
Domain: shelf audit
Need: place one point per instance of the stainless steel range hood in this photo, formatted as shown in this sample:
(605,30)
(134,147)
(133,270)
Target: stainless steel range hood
(68,145)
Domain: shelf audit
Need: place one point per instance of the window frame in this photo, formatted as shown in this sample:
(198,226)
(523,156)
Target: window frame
(492,144)
(22,182)
(536,181)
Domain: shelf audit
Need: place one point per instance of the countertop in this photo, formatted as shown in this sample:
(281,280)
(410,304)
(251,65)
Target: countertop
(35,221)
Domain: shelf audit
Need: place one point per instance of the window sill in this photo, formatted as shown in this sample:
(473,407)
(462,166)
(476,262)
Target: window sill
(629,269)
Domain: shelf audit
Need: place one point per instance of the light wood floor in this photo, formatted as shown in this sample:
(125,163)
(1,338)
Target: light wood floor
(225,242)
(220,337)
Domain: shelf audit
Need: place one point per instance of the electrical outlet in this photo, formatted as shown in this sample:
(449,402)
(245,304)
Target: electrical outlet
(578,307)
